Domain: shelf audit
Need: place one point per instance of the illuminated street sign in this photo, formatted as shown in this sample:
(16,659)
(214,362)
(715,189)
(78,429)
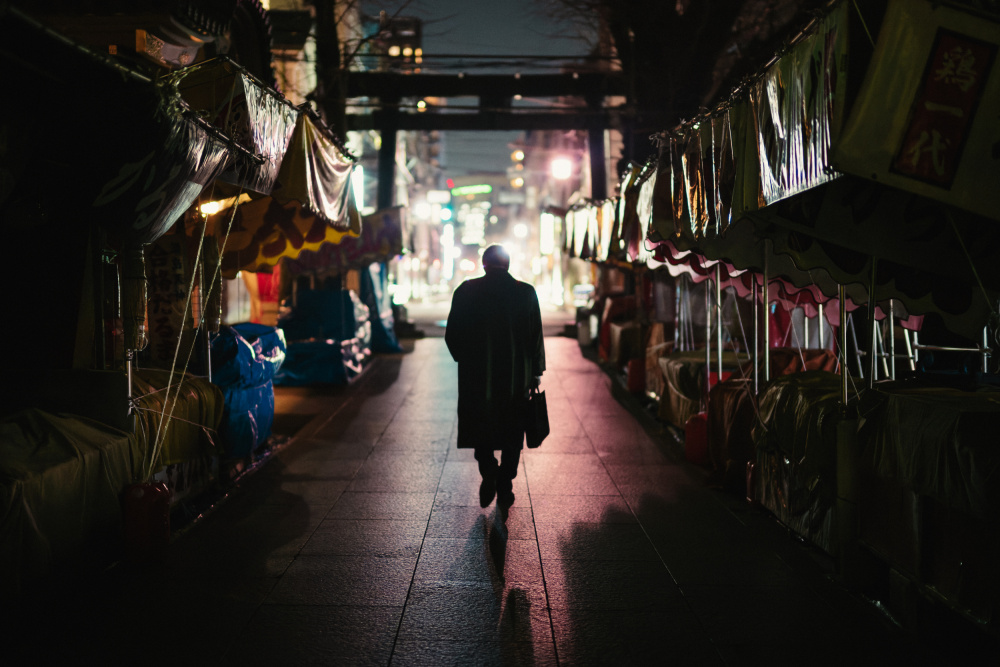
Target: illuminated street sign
(482,189)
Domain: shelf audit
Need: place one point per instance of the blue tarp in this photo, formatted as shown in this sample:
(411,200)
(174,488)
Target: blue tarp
(320,315)
(330,338)
(375,295)
(245,359)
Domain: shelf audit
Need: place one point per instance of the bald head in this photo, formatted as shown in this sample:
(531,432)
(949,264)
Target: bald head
(496,257)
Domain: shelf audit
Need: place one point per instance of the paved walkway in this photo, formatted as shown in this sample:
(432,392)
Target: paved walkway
(362,542)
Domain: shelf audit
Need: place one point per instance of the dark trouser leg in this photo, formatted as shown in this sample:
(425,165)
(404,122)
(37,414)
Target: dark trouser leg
(488,466)
(509,460)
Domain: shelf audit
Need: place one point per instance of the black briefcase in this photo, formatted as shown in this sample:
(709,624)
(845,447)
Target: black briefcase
(536,426)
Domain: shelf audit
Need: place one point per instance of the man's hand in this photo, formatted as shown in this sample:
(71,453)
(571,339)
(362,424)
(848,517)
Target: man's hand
(536,381)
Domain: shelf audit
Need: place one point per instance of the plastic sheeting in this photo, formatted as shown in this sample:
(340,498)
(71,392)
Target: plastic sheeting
(329,334)
(311,205)
(61,478)
(375,295)
(938,440)
(732,413)
(195,410)
(590,230)
(769,144)
(245,359)
(316,172)
(129,157)
(796,446)
(684,378)
(246,110)
(732,407)
(786,360)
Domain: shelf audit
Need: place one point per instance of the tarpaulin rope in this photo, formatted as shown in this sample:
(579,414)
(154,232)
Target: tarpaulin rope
(863,23)
(746,378)
(162,426)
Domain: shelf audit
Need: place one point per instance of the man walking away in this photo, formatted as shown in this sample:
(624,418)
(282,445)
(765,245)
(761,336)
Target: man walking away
(494,332)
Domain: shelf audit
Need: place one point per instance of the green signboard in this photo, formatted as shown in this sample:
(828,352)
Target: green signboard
(461,191)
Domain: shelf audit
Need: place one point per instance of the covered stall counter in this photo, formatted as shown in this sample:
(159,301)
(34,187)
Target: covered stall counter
(245,359)
(796,452)
(732,412)
(177,417)
(686,379)
(61,479)
(329,338)
(929,492)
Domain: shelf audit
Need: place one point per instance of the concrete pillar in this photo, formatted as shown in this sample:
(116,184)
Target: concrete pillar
(387,156)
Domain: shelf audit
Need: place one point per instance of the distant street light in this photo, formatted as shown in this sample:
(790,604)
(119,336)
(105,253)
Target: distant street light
(561,168)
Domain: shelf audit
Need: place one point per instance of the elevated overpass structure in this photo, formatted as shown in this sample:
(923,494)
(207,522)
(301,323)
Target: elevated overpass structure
(494,111)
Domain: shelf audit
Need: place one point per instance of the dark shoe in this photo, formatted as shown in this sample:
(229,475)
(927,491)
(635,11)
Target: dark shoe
(487,490)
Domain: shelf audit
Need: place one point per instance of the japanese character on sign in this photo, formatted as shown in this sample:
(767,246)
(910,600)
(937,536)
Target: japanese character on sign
(933,145)
(958,68)
(944,108)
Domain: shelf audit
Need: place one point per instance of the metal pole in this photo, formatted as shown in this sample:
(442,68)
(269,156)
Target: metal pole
(708,335)
(909,350)
(857,350)
(872,329)
(756,338)
(129,355)
(767,314)
(916,349)
(881,352)
(677,314)
(821,322)
(805,329)
(718,319)
(892,339)
(843,345)
(986,353)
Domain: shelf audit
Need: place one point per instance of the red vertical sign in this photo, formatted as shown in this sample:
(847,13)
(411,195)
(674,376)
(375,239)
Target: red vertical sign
(944,108)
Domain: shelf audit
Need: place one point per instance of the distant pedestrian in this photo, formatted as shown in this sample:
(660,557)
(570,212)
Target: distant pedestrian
(494,332)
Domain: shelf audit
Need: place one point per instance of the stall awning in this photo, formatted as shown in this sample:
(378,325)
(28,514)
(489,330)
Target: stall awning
(128,156)
(760,169)
(263,231)
(382,238)
(316,172)
(311,204)
(248,111)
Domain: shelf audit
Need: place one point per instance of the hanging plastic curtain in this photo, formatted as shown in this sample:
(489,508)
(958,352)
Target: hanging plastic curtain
(797,104)
(248,111)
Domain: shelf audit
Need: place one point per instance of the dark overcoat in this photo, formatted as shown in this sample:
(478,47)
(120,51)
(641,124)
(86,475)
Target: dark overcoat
(494,332)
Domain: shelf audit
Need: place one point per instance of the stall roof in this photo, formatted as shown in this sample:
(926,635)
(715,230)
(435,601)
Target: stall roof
(760,168)
(311,204)
(383,236)
(255,115)
(131,156)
